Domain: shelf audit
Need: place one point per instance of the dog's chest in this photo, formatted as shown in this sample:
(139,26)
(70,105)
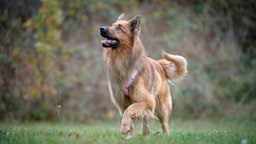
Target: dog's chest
(118,95)
(117,83)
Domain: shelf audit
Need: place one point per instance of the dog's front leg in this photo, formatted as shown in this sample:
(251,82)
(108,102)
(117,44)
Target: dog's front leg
(127,125)
(145,127)
(138,110)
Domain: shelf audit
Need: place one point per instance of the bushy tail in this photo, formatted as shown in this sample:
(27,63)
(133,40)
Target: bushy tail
(174,66)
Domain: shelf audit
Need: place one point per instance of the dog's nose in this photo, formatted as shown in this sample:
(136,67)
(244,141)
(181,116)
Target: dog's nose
(103,29)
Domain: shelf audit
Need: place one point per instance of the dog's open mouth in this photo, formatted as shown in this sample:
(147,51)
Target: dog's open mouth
(110,42)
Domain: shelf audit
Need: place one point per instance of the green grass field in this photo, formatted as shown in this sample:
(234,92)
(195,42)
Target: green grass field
(182,132)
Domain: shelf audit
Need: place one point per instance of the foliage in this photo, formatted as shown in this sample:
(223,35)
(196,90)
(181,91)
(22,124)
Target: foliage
(51,66)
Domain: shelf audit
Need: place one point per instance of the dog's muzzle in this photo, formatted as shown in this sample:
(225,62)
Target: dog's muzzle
(110,41)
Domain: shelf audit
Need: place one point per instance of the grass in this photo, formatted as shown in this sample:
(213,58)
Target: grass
(182,132)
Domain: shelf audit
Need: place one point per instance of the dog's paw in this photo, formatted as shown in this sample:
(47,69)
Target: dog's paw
(125,128)
(146,132)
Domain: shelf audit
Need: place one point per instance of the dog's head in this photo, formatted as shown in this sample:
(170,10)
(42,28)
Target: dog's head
(121,33)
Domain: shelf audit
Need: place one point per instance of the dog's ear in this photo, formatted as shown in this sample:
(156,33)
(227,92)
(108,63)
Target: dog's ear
(135,24)
(121,17)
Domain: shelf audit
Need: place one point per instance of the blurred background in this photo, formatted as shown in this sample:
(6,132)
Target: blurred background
(51,65)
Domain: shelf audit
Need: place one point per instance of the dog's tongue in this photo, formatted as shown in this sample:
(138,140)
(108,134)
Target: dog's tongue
(108,41)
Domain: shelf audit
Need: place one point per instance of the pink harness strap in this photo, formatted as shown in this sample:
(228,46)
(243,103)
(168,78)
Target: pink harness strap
(129,83)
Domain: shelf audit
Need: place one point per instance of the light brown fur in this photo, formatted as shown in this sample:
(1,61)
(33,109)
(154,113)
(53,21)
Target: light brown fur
(150,94)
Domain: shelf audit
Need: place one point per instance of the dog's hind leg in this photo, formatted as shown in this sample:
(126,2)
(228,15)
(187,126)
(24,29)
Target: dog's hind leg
(164,108)
(165,111)
(165,123)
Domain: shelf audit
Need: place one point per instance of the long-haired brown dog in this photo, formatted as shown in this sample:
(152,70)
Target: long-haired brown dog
(138,84)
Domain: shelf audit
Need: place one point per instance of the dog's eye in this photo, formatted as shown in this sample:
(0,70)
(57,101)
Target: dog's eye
(118,28)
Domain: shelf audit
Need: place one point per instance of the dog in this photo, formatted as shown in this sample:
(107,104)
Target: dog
(138,85)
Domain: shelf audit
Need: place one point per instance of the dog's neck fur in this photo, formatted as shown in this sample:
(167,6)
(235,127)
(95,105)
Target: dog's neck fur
(122,61)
